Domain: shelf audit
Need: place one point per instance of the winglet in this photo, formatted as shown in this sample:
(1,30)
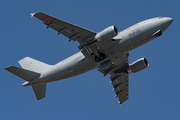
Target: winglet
(32,14)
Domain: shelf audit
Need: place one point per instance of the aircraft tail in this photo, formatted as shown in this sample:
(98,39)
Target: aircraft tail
(33,65)
(39,90)
(22,73)
(30,70)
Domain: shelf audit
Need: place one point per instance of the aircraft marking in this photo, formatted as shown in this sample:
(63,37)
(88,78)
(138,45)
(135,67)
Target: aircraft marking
(44,18)
(123,91)
(122,96)
(53,20)
(50,21)
(134,33)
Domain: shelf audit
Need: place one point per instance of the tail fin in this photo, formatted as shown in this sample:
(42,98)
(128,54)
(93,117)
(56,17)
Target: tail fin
(30,70)
(22,73)
(39,90)
(33,65)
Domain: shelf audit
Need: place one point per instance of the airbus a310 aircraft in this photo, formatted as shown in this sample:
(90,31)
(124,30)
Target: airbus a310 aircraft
(107,51)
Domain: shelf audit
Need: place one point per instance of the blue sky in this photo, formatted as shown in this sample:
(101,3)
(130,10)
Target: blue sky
(153,92)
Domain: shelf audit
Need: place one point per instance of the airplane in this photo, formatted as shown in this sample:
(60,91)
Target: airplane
(107,51)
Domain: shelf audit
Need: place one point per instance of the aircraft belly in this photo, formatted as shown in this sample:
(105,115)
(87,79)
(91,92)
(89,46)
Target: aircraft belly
(69,69)
(77,69)
(72,67)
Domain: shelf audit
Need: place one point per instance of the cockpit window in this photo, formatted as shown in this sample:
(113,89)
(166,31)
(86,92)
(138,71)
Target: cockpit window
(160,17)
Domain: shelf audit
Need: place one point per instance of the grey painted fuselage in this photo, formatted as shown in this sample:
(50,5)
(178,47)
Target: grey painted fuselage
(124,42)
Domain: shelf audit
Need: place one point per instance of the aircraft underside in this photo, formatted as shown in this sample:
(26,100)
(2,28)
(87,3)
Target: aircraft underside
(107,51)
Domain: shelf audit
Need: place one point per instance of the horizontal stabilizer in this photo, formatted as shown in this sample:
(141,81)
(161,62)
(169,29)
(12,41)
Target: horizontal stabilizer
(39,90)
(22,73)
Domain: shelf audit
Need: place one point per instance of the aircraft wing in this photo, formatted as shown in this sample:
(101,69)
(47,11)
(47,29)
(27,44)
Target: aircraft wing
(73,32)
(120,84)
(119,76)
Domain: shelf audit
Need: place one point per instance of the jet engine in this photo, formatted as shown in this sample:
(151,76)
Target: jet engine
(107,33)
(138,65)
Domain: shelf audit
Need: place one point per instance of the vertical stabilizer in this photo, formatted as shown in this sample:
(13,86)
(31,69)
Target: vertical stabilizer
(30,70)
(33,65)
(39,90)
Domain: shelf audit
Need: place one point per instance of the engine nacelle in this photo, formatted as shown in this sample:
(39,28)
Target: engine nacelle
(138,65)
(107,33)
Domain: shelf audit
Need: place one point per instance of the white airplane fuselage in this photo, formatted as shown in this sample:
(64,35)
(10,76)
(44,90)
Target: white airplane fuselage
(124,42)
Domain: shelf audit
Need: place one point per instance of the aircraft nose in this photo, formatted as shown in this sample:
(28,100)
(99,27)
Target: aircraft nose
(166,22)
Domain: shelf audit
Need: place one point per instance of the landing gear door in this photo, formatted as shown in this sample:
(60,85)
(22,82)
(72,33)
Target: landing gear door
(86,52)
